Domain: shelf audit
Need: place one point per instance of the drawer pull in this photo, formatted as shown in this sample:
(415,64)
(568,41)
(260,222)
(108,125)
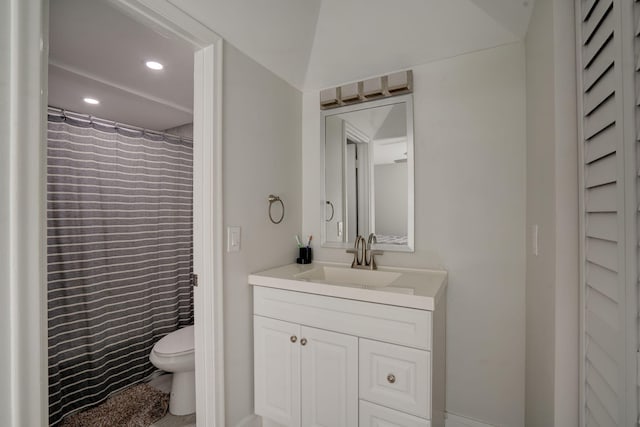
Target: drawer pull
(391,378)
(303,341)
(293,338)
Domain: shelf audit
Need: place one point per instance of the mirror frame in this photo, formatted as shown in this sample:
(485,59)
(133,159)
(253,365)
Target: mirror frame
(408,101)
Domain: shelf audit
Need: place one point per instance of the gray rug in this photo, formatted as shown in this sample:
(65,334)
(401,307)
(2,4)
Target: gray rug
(137,406)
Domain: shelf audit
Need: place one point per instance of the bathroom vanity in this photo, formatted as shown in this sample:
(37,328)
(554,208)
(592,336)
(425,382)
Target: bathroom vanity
(339,347)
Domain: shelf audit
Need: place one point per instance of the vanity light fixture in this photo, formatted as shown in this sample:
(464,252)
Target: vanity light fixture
(351,92)
(154,65)
(91,101)
(372,88)
(399,83)
(330,97)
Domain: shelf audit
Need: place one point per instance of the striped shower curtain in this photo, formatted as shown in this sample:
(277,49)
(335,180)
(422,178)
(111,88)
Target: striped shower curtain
(119,239)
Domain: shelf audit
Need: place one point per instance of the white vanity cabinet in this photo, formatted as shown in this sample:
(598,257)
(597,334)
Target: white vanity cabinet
(321,359)
(305,376)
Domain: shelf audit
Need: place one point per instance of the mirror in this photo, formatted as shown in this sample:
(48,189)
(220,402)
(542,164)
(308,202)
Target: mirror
(367,150)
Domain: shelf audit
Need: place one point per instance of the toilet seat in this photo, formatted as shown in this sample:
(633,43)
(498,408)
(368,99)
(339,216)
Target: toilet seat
(177,343)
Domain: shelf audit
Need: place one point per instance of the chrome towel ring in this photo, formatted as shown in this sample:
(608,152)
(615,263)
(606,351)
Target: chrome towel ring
(272,199)
(332,211)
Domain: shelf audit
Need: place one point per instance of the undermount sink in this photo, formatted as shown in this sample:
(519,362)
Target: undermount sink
(349,276)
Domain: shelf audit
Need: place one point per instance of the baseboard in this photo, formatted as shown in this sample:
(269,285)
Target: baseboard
(453,420)
(266,422)
(250,421)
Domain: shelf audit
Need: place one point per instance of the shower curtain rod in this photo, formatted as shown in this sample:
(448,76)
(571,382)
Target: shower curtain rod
(104,122)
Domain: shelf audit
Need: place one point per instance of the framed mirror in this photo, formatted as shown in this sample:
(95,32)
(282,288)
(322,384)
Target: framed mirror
(367,153)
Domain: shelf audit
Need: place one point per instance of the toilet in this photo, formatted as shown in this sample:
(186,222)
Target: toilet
(175,353)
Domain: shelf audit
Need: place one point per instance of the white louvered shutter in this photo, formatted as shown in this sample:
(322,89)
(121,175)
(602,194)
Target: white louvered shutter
(609,254)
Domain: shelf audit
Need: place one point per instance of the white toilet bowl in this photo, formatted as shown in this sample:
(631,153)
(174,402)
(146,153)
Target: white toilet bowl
(174,353)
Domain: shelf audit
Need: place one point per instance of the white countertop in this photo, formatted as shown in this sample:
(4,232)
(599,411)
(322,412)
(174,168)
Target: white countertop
(413,288)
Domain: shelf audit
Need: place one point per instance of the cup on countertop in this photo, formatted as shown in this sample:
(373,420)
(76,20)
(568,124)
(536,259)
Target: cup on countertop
(305,255)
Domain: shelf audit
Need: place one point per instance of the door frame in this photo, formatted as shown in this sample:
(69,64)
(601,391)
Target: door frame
(165,17)
(23,232)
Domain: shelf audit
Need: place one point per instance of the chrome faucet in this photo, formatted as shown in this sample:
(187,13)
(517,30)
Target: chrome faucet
(363,254)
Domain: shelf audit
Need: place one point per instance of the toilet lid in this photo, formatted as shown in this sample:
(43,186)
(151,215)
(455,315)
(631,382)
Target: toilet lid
(176,343)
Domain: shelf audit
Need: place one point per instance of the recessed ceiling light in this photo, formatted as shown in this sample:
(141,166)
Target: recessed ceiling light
(91,101)
(154,65)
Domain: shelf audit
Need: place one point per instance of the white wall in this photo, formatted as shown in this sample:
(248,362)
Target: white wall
(541,211)
(390,186)
(469,114)
(261,156)
(552,200)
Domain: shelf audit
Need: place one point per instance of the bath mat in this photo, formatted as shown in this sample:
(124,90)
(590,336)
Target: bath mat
(137,406)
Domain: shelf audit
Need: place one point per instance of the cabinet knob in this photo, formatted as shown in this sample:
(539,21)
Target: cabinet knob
(303,341)
(293,338)
(391,378)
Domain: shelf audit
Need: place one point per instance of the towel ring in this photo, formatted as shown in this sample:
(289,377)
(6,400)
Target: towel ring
(332,211)
(273,199)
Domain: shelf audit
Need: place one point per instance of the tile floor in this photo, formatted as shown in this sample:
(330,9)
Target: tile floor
(163,383)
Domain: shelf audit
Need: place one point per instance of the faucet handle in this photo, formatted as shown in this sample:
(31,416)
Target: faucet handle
(355,249)
(359,251)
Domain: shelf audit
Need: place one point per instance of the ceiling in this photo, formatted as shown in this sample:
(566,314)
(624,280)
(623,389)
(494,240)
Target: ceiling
(96,50)
(314,44)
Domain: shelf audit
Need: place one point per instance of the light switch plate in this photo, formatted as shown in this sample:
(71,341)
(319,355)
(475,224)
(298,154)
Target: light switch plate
(233,239)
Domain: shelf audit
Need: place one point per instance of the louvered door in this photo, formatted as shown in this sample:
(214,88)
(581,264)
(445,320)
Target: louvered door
(608,283)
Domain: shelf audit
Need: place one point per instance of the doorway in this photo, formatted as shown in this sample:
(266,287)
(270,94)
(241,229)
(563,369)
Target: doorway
(25,231)
(119,210)
(207,196)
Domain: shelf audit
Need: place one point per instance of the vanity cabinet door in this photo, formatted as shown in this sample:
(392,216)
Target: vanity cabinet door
(329,378)
(277,370)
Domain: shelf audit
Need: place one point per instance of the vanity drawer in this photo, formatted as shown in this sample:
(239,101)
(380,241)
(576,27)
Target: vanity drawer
(396,377)
(399,325)
(372,415)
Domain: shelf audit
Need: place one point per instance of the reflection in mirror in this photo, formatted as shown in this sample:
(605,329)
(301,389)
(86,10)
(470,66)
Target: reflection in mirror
(368,174)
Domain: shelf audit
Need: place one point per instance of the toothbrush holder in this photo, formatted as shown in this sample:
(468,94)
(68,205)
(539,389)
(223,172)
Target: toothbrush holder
(305,255)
